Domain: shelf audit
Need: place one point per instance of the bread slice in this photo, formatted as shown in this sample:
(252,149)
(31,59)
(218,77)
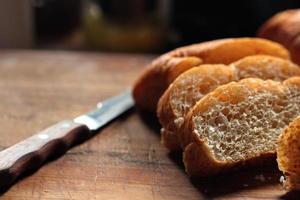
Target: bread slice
(193,84)
(238,123)
(288,155)
(161,72)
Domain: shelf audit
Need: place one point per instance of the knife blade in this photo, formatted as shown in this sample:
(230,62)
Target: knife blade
(32,152)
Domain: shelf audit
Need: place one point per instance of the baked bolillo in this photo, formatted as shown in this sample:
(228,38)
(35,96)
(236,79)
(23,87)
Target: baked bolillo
(161,72)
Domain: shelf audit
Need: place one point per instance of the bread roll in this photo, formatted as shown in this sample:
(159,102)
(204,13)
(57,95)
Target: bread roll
(193,84)
(238,123)
(288,155)
(162,71)
(284,28)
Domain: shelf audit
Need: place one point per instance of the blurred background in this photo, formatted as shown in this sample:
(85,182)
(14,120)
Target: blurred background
(129,25)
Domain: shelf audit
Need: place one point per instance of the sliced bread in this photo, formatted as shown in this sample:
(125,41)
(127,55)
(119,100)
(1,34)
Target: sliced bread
(161,72)
(193,84)
(238,123)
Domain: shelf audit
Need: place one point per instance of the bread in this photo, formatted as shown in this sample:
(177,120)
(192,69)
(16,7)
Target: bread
(288,155)
(193,84)
(238,123)
(161,72)
(284,28)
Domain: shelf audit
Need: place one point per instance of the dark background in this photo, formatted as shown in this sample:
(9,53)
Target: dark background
(207,20)
(58,24)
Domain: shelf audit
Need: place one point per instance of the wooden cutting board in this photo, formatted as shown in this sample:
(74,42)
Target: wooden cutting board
(125,160)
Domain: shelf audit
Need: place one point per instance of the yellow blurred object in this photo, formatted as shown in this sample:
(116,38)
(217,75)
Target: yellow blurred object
(105,31)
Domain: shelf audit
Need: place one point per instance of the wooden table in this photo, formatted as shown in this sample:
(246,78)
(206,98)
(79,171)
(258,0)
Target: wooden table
(125,160)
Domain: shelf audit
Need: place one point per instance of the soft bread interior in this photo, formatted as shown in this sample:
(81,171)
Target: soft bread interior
(241,121)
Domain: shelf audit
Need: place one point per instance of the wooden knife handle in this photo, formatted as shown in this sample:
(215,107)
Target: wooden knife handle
(34,151)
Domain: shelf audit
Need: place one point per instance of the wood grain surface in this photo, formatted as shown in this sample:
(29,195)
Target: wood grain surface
(125,160)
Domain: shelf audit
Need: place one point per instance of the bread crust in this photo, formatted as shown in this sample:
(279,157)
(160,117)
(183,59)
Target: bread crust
(288,155)
(265,67)
(198,157)
(193,84)
(205,165)
(161,72)
(284,28)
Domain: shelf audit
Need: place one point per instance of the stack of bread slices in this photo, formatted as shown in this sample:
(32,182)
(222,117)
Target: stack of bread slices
(227,103)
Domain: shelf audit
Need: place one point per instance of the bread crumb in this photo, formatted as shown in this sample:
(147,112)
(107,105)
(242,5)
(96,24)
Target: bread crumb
(179,121)
(282,180)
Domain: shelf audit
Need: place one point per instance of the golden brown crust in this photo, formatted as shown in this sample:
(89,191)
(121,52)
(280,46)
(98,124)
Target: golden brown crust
(288,155)
(161,72)
(156,78)
(292,82)
(198,157)
(284,28)
(266,67)
(193,84)
(204,165)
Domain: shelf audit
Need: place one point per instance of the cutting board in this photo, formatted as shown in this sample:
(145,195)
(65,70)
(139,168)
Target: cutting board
(125,160)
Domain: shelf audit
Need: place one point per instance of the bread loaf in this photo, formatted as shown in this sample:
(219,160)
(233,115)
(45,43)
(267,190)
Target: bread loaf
(238,123)
(284,28)
(288,155)
(193,84)
(162,71)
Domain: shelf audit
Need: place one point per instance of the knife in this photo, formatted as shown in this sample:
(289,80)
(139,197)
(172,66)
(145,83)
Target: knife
(32,152)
